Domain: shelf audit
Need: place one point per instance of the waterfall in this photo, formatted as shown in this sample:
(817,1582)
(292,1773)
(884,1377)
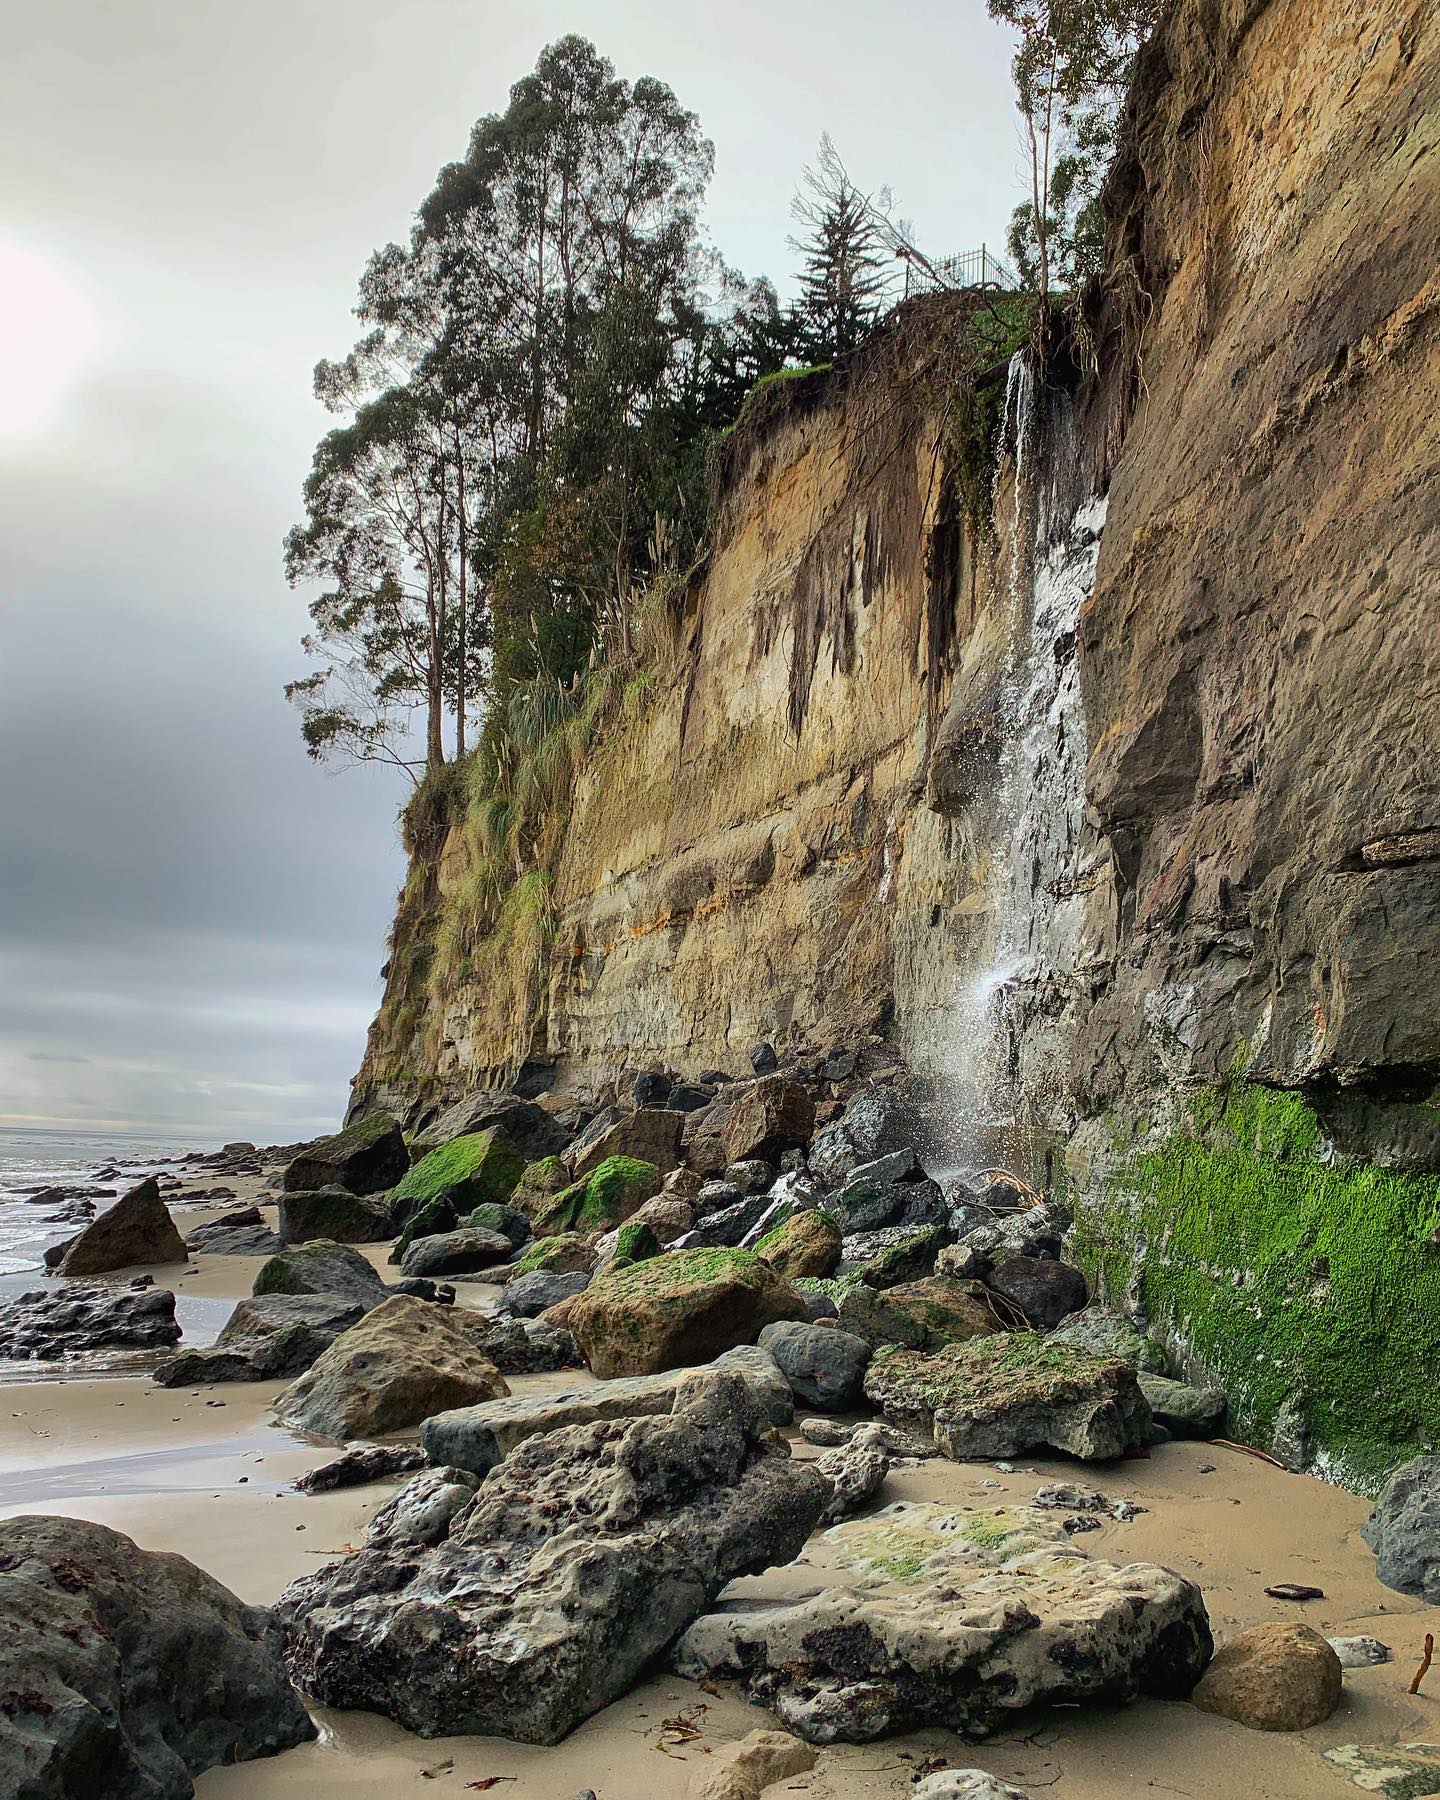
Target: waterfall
(1007,1055)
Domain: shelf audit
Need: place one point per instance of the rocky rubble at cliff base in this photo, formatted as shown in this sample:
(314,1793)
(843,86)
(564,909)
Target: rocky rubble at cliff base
(603,1523)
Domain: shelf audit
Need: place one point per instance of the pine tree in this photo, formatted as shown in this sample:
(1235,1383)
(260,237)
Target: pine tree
(846,278)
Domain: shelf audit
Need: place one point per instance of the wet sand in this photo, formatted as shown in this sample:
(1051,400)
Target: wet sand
(176,1471)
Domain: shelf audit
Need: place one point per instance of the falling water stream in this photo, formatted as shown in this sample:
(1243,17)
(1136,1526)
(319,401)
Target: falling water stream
(1007,1047)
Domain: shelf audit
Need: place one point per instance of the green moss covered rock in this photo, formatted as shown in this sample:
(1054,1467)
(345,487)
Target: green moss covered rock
(563,1253)
(471,1171)
(684,1307)
(538,1182)
(333,1213)
(1010,1393)
(428,1219)
(634,1243)
(921,1315)
(807,1243)
(605,1198)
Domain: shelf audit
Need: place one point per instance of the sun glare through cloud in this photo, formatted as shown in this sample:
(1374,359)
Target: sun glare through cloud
(46,332)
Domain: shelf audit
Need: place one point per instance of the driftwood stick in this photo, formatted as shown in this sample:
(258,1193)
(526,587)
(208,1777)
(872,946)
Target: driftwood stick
(1424,1668)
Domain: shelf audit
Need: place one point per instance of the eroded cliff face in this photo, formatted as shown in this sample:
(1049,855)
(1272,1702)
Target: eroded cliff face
(1256,1057)
(750,852)
(1120,813)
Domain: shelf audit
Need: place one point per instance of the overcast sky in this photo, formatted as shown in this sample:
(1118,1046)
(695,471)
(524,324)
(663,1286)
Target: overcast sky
(192,914)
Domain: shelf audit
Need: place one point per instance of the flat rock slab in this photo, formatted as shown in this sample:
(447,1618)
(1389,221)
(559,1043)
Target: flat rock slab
(479,1437)
(582,1555)
(955,1619)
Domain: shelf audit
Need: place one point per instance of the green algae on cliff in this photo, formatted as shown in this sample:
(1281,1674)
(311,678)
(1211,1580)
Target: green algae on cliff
(1309,1289)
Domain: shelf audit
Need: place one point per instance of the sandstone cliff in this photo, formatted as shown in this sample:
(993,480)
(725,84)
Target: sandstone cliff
(1118,810)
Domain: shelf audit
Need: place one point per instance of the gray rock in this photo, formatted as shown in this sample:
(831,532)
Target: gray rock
(731,1225)
(1184,1411)
(856,1470)
(893,1191)
(528,1295)
(874,1124)
(424,1509)
(1103,1331)
(137,1229)
(955,1634)
(762,1374)
(479,1437)
(818,1304)
(496,1215)
(1404,1530)
(824,1365)
(333,1213)
(268,1339)
(828,1434)
(1003,1395)
(463,1252)
(966,1784)
(321,1267)
(527,1125)
(356,1468)
(45,1324)
(1359,1652)
(230,1237)
(895,1255)
(584,1553)
(753,1176)
(1045,1291)
(367,1157)
(126,1672)
(527,1346)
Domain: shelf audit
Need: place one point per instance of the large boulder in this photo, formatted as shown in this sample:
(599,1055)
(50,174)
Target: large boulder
(956,1619)
(1044,1290)
(479,1437)
(1404,1530)
(537,1290)
(1103,1331)
(1277,1677)
(1184,1411)
(270,1338)
(538,1181)
(456,1253)
(889,1193)
(563,1254)
(921,1315)
(137,1229)
(807,1243)
(334,1213)
(680,1308)
(367,1157)
(1003,1395)
(48,1323)
(404,1361)
(472,1171)
(580,1558)
(649,1135)
(604,1198)
(321,1267)
(525,1123)
(875,1124)
(669,1217)
(767,1118)
(896,1254)
(127,1672)
(495,1215)
(824,1365)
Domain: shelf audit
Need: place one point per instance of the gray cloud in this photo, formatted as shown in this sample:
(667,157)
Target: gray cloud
(192,915)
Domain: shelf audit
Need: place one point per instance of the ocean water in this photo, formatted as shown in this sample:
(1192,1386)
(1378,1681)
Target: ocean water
(33,1157)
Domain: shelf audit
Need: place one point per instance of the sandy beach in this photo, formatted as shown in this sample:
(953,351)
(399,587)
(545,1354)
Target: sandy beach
(205,1472)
